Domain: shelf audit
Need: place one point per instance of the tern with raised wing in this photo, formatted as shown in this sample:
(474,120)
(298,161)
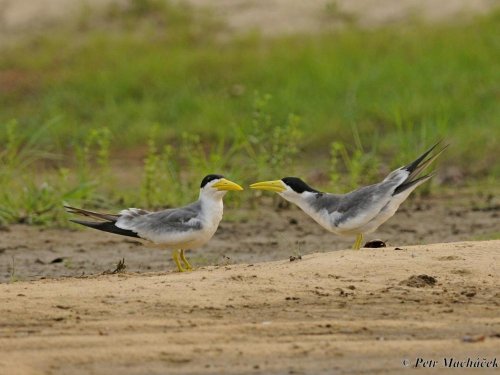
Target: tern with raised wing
(361,211)
(177,229)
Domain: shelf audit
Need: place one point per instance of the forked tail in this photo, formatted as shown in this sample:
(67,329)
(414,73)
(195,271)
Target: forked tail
(106,222)
(416,167)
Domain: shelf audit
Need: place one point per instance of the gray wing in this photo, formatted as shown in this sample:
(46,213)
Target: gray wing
(349,211)
(145,223)
(362,205)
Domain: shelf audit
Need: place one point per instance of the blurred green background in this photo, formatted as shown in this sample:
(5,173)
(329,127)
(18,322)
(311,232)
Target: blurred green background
(132,105)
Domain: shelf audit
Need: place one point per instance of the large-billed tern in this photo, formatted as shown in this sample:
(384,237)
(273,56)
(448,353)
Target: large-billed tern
(177,229)
(361,211)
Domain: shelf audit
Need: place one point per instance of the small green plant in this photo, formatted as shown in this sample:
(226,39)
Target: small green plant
(13,275)
(334,13)
(150,184)
(273,146)
(297,253)
(120,267)
(30,202)
(336,148)
(216,156)
(173,180)
(36,198)
(144,7)
(163,183)
(68,263)
(20,150)
(359,166)
(93,156)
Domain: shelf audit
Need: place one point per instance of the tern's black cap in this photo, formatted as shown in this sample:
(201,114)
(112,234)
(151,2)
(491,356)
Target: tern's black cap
(297,185)
(209,178)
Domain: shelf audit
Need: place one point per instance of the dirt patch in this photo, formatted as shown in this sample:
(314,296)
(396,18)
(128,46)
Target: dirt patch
(419,281)
(462,272)
(449,257)
(327,313)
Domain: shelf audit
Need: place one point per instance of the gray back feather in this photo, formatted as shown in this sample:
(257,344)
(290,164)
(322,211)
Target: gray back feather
(174,219)
(351,204)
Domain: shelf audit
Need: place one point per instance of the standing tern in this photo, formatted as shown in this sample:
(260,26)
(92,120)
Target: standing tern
(361,211)
(177,229)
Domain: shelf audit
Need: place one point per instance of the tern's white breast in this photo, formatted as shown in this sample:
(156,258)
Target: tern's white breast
(322,217)
(386,213)
(211,215)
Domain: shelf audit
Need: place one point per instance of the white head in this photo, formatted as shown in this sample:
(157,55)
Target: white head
(216,186)
(293,189)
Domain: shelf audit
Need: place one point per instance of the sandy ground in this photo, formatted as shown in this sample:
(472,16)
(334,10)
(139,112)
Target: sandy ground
(339,312)
(269,16)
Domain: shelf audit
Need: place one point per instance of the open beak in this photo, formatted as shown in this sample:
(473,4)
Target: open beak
(277,186)
(224,184)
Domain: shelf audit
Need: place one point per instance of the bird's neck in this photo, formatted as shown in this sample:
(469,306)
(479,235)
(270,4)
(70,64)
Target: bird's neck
(212,206)
(301,200)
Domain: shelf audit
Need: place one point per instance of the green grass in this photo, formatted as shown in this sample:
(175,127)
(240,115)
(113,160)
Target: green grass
(486,237)
(252,105)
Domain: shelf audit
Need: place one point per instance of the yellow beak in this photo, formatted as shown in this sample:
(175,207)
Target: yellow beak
(224,184)
(277,186)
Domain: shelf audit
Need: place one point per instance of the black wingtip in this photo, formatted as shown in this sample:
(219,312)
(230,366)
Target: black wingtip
(92,214)
(410,184)
(106,226)
(74,210)
(414,164)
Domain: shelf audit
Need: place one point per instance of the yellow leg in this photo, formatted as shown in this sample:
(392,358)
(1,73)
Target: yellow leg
(358,242)
(175,256)
(185,261)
